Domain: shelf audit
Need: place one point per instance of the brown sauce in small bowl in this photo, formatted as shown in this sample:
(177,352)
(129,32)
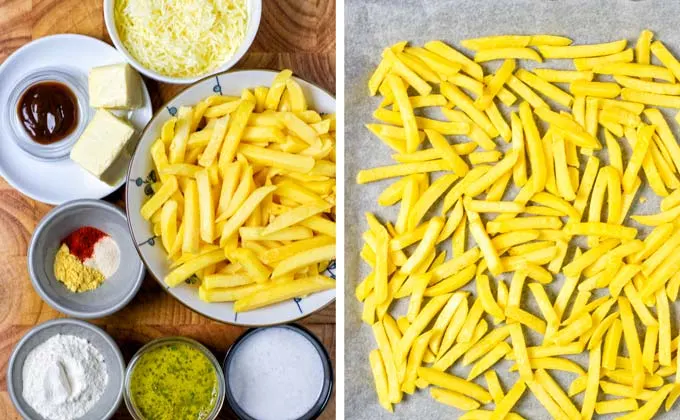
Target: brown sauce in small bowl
(48,111)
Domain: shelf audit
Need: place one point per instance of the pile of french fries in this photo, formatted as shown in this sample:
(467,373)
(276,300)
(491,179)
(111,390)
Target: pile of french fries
(245,204)
(564,166)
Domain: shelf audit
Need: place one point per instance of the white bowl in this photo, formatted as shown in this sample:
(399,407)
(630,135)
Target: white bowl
(141,174)
(254,14)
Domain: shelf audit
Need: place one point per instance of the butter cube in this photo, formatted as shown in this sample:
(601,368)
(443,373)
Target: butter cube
(101,143)
(116,86)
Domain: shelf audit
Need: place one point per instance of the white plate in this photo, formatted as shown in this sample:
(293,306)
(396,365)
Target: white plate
(138,189)
(55,182)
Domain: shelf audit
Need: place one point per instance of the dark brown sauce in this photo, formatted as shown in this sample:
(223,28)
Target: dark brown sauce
(48,111)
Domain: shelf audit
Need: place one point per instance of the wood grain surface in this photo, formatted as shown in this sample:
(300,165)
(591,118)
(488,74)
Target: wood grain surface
(295,34)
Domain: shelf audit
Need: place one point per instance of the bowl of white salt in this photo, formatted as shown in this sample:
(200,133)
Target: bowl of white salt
(278,373)
(66,369)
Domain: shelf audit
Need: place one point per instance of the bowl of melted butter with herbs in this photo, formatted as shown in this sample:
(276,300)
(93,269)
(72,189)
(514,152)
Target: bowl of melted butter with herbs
(174,378)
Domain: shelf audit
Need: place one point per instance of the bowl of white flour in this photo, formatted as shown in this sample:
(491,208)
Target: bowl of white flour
(66,369)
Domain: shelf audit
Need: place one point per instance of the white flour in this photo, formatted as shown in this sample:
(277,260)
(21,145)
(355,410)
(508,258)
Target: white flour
(276,374)
(64,377)
(105,257)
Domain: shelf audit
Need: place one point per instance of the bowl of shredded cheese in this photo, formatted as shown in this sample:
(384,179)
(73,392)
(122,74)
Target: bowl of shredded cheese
(182,41)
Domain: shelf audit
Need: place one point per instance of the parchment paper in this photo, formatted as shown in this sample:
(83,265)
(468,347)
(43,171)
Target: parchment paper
(371,25)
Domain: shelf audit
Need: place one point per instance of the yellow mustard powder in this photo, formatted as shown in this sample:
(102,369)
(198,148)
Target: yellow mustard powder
(76,276)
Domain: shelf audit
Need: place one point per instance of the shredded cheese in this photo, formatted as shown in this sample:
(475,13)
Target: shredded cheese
(181,38)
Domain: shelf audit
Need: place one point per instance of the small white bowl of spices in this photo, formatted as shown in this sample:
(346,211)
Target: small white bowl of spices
(279,372)
(66,369)
(82,260)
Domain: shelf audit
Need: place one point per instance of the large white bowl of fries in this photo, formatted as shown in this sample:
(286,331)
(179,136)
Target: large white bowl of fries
(231,197)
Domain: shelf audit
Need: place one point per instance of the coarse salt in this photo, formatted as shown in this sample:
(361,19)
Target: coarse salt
(276,374)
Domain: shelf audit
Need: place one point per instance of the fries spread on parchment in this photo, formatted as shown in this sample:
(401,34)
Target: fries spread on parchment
(246,203)
(561,136)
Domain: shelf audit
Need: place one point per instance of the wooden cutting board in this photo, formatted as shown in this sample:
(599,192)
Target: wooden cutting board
(295,34)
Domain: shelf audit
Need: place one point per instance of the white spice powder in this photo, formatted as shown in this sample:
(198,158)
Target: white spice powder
(276,374)
(64,377)
(105,257)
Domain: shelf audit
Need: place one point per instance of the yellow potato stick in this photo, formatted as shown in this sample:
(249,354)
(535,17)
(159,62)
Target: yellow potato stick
(647,98)
(160,159)
(380,378)
(596,89)
(428,198)
(476,133)
(649,348)
(452,222)
(563,76)
(298,261)
(588,63)
(663,313)
(186,270)
(419,67)
(494,386)
(632,343)
(649,409)
(546,88)
(249,205)
(601,229)
(620,405)
(439,64)
(191,219)
(178,144)
(406,110)
(519,171)
(169,224)
(481,184)
(452,283)
(380,335)
(495,84)
(218,281)
(523,223)
(635,69)
(488,302)
(376,174)
(230,294)
(578,134)
(546,400)
(237,124)
(557,203)
(446,316)
(213,146)
(277,89)
(576,51)
(466,104)
(401,69)
(523,317)
(482,206)
(488,360)
(206,206)
(454,383)
(649,87)
(457,191)
(498,120)
(423,319)
(489,252)
(659,218)
(415,359)
(564,186)
(525,92)
(486,344)
(505,406)
(467,65)
(666,57)
(426,244)
(159,198)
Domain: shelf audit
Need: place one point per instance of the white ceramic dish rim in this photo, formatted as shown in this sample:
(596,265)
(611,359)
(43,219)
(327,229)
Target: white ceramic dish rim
(82,324)
(254,17)
(141,241)
(8,62)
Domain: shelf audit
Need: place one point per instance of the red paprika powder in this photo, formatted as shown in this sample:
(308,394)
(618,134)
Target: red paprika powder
(81,241)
